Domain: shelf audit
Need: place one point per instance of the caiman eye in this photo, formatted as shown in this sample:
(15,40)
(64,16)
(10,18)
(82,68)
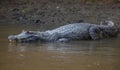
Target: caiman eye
(29,32)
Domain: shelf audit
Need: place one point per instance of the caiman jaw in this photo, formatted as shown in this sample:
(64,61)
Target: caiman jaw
(17,40)
(12,40)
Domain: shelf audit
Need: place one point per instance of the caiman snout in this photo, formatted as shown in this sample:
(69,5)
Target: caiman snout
(12,38)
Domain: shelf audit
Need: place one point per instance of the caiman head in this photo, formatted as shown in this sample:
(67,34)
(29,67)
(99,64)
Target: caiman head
(24,36)
(109,29)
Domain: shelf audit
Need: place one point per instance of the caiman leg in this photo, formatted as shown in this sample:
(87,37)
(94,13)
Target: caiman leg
(95,33)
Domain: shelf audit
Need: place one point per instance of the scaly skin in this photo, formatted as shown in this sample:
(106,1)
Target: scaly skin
(76,31)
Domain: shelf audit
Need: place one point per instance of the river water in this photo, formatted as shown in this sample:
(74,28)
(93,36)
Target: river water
(76,55)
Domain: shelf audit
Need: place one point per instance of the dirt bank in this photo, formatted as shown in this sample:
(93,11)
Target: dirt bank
(58,11)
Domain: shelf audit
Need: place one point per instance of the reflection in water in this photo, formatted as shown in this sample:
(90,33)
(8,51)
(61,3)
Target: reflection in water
(67,56)
(81,47)
(78,55)
(74,47)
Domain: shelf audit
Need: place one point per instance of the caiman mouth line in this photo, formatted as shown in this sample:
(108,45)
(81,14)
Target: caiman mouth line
(17,40)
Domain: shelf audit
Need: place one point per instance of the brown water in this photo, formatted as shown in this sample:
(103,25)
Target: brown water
(77,55)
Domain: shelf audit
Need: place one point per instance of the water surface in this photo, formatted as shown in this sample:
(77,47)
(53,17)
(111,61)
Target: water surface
(76,55)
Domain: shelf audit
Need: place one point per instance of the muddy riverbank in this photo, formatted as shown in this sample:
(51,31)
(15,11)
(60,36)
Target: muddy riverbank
(57,11)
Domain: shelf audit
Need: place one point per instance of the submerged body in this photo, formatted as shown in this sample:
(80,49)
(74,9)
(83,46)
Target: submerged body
(76,31)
